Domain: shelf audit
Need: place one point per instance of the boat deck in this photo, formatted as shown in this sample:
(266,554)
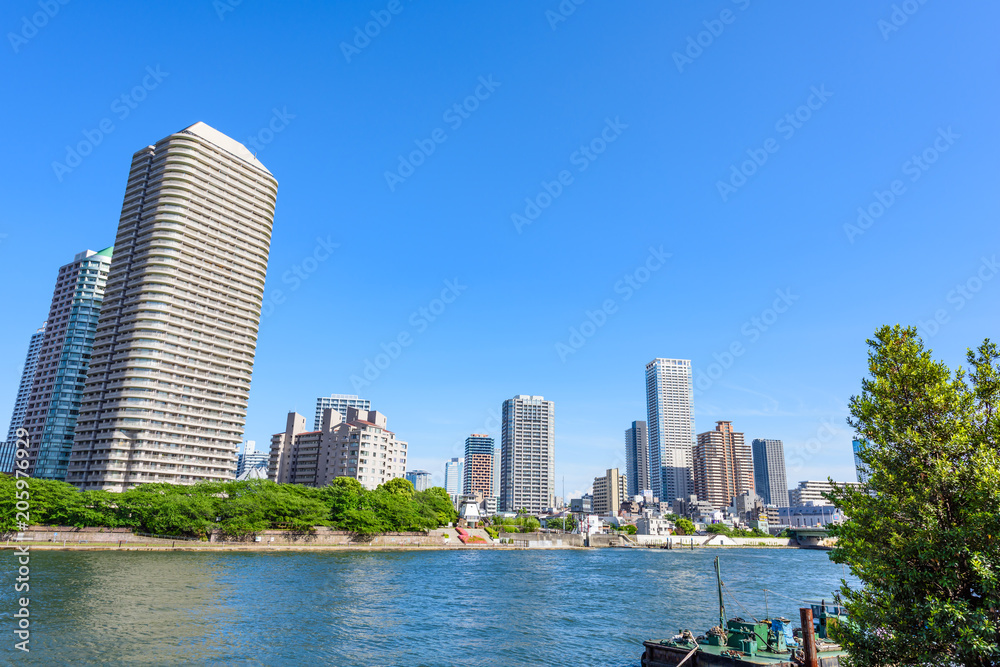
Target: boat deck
(664,655)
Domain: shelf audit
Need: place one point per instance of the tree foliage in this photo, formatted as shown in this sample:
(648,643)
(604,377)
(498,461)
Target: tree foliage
(236,509)
(684,526)
(923,535)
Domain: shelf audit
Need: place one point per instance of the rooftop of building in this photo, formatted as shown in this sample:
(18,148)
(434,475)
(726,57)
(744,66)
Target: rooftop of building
(228,144)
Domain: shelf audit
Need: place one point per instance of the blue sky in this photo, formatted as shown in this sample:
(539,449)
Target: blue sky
(622,125)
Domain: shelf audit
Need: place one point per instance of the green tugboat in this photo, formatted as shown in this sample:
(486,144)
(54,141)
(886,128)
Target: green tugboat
(740,643)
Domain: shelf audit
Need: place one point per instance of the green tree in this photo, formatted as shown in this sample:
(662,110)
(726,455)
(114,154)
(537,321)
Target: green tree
(685,526)
(629,529)
(719,529)
(923,535)
(400,486)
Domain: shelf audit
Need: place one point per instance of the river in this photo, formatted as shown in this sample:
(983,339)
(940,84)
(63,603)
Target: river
(558,607)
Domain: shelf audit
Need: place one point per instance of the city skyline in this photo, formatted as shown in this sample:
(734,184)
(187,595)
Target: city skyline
(775,335)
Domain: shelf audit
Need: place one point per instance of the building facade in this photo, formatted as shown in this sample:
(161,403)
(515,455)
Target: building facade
(63,360)
(420,479)
(859,465)
(527,443)
(811,493)
(637,458)
(769,471)
(477,472)
(166,394)
(357,445)
(251,458)
(8,447)
(340,403)
(670,424)
(723,465)
(453,474)
(609,493)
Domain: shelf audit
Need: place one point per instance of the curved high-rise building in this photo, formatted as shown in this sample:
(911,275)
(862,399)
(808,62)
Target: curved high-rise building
(166,395)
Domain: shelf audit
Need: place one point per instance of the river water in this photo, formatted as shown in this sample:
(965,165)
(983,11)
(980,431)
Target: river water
(573,607)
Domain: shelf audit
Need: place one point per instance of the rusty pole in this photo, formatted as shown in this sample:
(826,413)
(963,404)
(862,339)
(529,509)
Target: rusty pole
(808,637)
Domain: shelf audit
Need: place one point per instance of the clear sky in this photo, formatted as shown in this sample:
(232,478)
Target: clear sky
(624,127)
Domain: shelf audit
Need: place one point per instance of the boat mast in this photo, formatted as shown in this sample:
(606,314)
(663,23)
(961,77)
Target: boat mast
(722,606)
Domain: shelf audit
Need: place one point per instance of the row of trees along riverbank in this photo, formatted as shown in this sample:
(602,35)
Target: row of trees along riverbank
(232,508)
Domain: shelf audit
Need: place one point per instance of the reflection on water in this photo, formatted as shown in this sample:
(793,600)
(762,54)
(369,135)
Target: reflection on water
(589,607)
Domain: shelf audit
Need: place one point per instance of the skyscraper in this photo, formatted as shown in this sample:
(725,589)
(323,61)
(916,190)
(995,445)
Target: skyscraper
(453,476)
(670,420)
(252,458)
(420,479)
(769,471)
(859,465)
(723,465)
(527,443)
(21,402)
(340,403)
(637,458)
(477,472)
(166,395)
(63,359)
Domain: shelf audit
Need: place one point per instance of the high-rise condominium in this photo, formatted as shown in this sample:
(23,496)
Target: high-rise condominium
(723,465)
(356,445)
(62,364)
(420,479)
(252,458)
(477,473)
(21,402)
(609,493)
(166,395)
(340,403)
(637,458)
(670,421)
(769,471)
(453,476)
(527,443)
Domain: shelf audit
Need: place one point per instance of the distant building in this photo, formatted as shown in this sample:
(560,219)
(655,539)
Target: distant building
(8,447)
(420,479)
(860,465)
(809,516)
(358,446)
(648,524)
(769,471)
(811,492)
(692,508)
(453,476)
(723,465)
(63,361)
(637,458)
(584,505)
(340,403)
(477,471)
(252,458)
(670,422)
(609,493)
(527,472)
(748,507)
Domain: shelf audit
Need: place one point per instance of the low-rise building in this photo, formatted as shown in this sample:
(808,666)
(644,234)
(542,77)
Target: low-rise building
(358,446)
(648,524)
(809,516)
(812,491)
(584,505)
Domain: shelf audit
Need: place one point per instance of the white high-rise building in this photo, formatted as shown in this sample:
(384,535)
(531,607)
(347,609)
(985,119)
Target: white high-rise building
(166,393)
(340,403)
(252,458)
(527,444)
(670,423)
(21,402)
(453,474)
